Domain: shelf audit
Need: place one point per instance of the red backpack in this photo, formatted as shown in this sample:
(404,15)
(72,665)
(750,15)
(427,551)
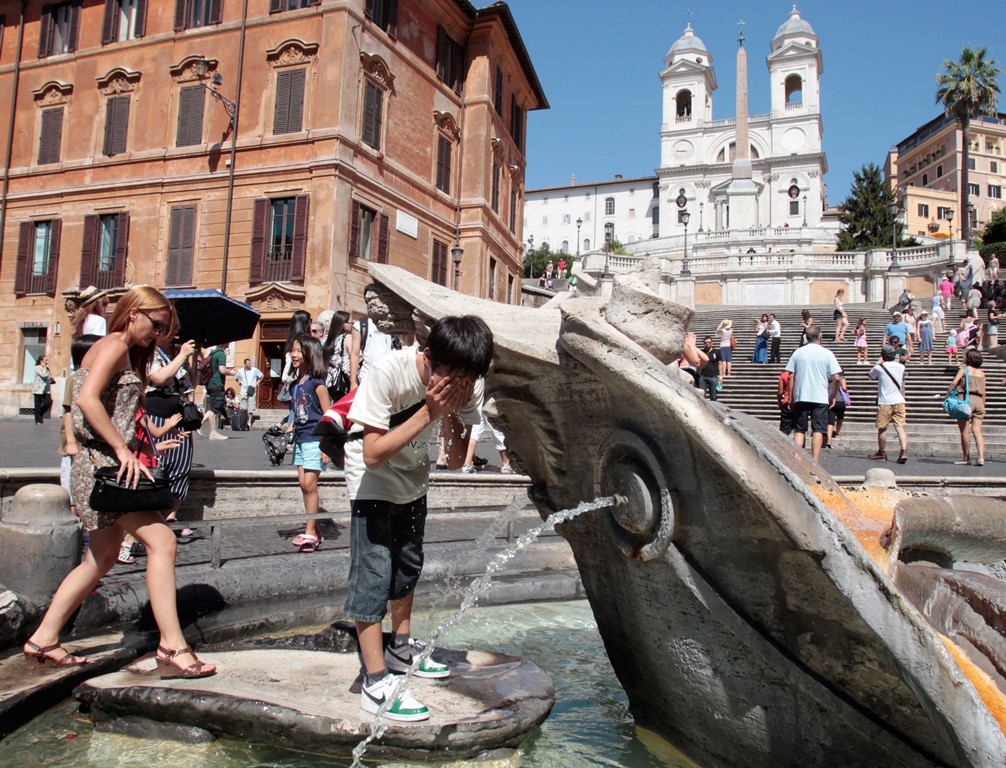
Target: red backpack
(204,371)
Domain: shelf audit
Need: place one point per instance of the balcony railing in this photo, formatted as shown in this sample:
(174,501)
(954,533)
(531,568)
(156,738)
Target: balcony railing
(277,264)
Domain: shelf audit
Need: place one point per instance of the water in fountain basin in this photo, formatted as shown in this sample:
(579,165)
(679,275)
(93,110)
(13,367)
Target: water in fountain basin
(471,596)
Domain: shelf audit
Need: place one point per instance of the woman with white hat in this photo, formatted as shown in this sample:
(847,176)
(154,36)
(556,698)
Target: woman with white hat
(727,343)
(90,315)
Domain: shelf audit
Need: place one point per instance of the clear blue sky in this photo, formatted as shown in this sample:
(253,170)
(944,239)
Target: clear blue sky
(599,63)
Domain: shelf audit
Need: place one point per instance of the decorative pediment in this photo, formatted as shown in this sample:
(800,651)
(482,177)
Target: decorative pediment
(118,80)
(276,297)
(53,93)
(447,125)
(377,68)
(185,70)
(292,51)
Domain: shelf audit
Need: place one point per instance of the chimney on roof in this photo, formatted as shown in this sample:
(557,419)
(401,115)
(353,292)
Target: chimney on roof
(572,180)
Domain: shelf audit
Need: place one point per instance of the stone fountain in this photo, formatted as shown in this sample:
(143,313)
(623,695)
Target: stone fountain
(755,613)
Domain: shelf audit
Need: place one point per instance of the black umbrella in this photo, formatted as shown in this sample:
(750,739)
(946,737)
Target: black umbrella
(209,317)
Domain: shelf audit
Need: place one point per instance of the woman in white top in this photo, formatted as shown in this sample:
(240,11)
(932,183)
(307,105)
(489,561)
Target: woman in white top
(725,331)
(90,315)
(841,318)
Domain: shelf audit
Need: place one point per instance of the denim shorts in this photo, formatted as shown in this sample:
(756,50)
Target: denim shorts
(386,556)
(307,455)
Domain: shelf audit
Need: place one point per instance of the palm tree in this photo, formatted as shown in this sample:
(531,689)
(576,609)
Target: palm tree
(967,89)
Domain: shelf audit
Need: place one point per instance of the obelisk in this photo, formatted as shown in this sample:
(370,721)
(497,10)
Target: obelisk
(742,194)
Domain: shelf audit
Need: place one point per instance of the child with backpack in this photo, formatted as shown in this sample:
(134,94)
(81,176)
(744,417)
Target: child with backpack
(309,403)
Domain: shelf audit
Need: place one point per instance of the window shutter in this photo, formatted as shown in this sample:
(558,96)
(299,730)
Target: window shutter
(121,250)
(188,250)
(51,135)
(216,11)
(110,23)
(26,236)
(74,26)
(52,261)
(354,231)
(140,26)
(300,220)
(372,97)
(289,102)
(498,93)
(296,116)
(89,250)
(276,6)
(191,103)
(458,64)
(382,240)
(45,33)
(116,122)
(260,220)
(181,245)
(181,14)
(442,54)
(443,165)
(391,10)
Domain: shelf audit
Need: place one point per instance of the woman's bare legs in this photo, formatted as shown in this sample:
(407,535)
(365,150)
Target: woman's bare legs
(976,429)
(161,546)
(102,553)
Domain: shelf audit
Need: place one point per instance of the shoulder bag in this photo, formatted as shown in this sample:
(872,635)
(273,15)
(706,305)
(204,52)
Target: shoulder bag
(111,494)
(958,408)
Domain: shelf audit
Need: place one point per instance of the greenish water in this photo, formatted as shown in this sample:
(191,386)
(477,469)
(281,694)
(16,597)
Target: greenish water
(590,724)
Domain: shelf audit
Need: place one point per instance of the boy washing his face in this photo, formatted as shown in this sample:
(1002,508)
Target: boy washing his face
(387,473)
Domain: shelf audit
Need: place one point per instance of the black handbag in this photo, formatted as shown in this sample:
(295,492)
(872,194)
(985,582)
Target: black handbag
(112,495)
(192,417)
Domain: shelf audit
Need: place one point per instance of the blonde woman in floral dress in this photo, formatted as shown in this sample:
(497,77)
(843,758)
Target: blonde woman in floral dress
(107,389)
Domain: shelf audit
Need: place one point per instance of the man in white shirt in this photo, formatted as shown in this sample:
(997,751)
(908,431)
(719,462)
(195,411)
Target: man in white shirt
(368,345)
(890,377)
(775,339)
(813,388)
(248,377)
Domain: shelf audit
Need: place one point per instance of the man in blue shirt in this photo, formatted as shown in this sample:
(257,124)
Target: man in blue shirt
(896,328)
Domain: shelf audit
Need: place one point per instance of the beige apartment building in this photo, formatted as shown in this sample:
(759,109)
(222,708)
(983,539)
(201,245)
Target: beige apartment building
(366,130)
(931,158)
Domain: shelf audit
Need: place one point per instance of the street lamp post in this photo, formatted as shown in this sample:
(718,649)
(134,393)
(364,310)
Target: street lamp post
(949,217)
(579,223)
(530,253)
(701,205)
(894,207)
(972,220)
(456,253)
(607,249)
(684,216)
(805,210)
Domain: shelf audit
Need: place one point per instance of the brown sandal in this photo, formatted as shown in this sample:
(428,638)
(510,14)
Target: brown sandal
(171,669)
(878,456)
(39,656)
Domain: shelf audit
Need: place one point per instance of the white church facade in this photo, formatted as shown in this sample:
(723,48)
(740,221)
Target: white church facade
(736,212)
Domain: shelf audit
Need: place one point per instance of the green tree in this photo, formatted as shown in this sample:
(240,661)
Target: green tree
(866,213)
(535,260)
(994,237)
(967,89)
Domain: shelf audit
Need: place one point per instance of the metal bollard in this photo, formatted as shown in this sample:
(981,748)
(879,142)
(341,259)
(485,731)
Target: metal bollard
(40,539)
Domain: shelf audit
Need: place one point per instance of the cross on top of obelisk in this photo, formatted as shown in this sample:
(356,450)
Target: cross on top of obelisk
(740,39)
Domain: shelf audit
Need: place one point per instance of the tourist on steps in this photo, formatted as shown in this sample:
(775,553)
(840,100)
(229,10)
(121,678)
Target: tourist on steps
(889,374)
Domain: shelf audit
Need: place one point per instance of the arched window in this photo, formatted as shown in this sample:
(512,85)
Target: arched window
(586,243)
(723,158)
(565,246)
(794,91)
(683,105)
(609,206)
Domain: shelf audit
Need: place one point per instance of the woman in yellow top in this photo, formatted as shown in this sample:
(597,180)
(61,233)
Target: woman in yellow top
(976,391)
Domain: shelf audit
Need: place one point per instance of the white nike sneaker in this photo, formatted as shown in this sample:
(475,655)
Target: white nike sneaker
(404,709)
(399,660)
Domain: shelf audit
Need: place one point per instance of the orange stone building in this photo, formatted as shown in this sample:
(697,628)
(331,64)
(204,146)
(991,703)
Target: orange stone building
(385,130)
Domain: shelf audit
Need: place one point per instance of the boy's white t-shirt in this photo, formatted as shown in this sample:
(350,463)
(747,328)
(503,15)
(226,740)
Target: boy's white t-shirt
(392,386)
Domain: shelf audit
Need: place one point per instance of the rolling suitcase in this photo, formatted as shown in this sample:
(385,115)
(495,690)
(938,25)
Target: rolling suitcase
(239,420)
